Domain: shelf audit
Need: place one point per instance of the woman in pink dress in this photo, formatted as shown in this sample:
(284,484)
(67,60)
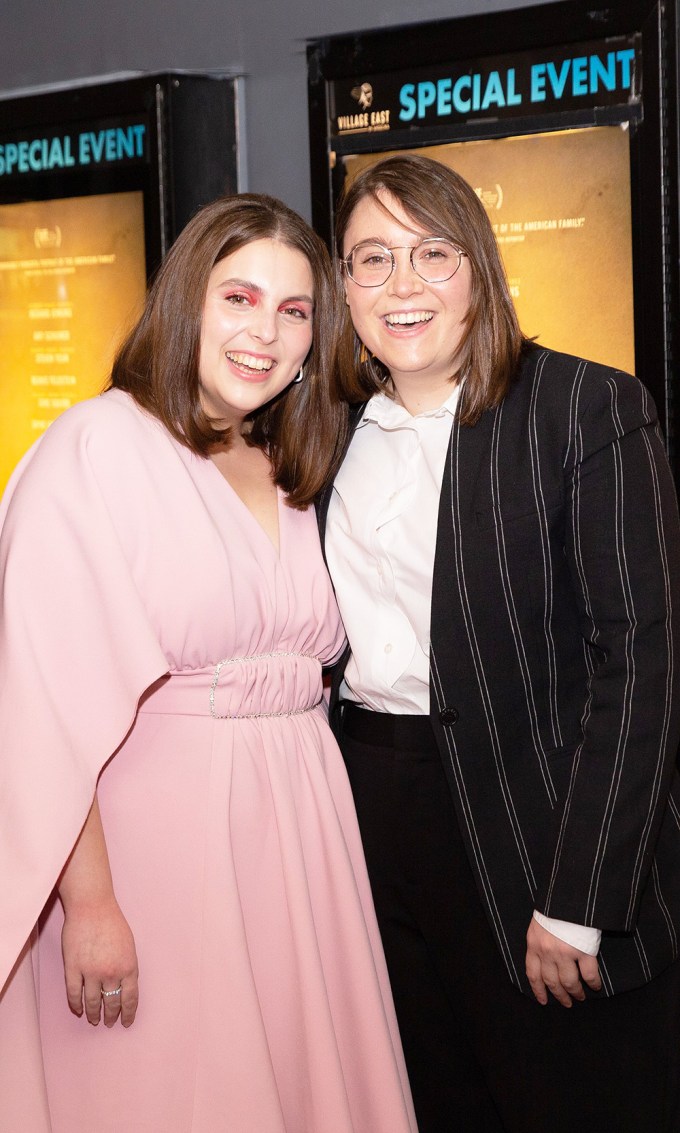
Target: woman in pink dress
(186,928)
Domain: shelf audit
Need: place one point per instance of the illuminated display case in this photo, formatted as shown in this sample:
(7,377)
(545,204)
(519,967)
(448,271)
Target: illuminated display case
(96,181)
(564,118)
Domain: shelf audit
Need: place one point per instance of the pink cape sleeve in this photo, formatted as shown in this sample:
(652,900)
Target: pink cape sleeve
(77,651)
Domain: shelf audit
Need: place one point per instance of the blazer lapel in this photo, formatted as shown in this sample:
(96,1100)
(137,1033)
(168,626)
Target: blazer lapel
(322,502)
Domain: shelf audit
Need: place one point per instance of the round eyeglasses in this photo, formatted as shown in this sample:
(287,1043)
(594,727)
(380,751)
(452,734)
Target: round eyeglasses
(371,264)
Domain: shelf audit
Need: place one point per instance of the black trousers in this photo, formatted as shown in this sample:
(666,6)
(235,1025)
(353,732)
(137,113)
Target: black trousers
(482,1056)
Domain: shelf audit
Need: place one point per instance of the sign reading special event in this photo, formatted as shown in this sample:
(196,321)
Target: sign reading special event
(72,281)
(93,146)
(600,74)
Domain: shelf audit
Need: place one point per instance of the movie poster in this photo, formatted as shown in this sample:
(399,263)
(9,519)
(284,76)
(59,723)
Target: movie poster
(560,206)
(72,282)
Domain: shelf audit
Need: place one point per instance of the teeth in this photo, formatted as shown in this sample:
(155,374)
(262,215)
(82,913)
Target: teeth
(408,317)
(250,361)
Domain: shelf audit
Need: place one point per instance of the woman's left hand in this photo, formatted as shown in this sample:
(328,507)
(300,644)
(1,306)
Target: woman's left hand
(554,966)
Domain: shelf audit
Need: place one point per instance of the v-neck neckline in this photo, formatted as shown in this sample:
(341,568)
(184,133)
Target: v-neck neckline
(253,518)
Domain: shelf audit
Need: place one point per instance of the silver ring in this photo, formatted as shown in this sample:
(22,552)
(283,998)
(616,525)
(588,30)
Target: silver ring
(116,991)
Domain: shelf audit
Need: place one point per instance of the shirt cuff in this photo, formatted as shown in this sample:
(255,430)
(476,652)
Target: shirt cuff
(580,936)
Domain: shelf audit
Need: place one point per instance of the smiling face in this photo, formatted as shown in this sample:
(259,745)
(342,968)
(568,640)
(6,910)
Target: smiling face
(256,329)
(414,328)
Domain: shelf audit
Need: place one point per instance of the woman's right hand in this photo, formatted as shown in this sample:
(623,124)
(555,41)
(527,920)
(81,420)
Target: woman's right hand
(99,955)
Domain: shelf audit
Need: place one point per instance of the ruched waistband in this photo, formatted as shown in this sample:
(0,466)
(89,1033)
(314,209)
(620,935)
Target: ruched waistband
(279,683)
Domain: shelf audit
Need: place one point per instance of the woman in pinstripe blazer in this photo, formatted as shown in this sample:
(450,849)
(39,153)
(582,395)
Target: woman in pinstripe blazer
(503,537)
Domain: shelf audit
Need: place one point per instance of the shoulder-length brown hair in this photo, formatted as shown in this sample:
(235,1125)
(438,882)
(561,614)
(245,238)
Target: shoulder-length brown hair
(158,364)
(443,204)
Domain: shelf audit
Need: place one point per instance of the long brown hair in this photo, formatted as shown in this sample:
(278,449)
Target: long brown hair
(443,204)
(158,363)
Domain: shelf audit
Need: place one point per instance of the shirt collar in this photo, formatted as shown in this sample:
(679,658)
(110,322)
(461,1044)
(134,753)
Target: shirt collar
(384,411)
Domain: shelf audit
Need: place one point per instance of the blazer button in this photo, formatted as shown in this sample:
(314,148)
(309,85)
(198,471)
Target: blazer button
(448,716)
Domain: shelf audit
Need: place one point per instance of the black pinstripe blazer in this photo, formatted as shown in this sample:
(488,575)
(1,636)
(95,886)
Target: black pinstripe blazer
(555,662)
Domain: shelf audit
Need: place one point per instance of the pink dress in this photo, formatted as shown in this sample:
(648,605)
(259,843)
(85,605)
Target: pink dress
(154,640)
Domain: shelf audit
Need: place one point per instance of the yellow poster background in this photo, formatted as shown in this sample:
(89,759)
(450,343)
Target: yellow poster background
(559,204)
(72,282)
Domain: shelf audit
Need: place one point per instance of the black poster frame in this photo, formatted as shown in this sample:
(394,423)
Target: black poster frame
(340,64)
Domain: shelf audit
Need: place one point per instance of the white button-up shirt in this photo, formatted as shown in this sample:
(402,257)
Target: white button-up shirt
(380,543)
